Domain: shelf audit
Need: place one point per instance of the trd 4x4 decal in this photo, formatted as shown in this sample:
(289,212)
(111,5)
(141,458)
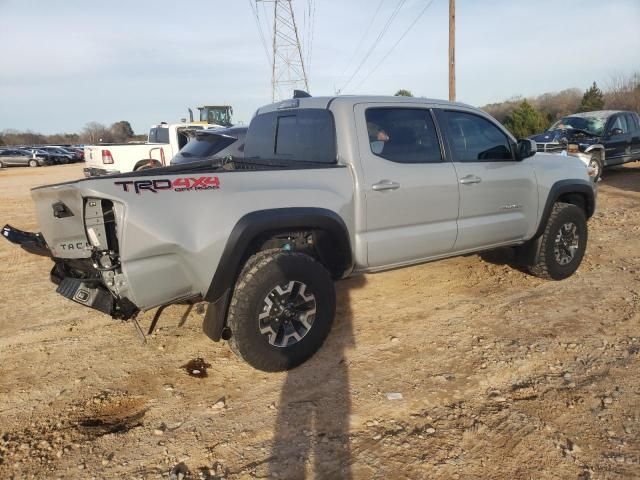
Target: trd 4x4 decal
(184,184)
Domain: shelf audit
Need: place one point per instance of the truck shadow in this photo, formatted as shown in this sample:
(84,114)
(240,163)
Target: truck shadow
(312,427)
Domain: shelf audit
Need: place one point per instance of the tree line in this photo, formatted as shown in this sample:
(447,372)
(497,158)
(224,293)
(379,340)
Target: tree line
(527,116)
(92,133)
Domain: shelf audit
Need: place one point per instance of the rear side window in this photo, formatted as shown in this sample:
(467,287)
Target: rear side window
(632,121)
(303,135)
(159,135)
(474,139)
(403,135)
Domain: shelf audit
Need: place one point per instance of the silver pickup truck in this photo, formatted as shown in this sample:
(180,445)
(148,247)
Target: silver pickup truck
(327,187)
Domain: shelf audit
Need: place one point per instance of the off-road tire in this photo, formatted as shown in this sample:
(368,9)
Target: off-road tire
(544,263)
(33,163)
(261,274)
(596,163)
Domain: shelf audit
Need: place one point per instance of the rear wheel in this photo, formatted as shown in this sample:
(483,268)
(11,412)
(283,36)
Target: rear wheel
(33,163)
(561,247)
(281,311)
(1,165)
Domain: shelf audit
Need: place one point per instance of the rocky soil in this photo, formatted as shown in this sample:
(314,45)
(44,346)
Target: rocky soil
(463,368)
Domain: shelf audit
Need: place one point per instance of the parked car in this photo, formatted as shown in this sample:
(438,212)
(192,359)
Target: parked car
(14,157)
(212,144)
(58,154)
(327,187)
(602,138)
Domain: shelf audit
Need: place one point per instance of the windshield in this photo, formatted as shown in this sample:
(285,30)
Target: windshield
(594,125)
(218,116)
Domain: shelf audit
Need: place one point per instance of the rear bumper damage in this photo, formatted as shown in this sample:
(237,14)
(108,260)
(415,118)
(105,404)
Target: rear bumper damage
(79,280)
(31,242)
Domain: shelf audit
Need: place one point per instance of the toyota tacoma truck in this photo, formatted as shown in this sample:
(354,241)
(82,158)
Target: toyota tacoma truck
(327,187)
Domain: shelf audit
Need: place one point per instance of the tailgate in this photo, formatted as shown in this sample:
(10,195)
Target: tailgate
(93,157)
(60,211)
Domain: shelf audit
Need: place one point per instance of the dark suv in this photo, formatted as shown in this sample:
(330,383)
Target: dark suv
(608,137)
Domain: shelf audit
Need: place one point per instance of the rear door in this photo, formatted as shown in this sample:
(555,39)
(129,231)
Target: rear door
(410,191)
(498,195)
(617,140)
(634,132)
(12,158)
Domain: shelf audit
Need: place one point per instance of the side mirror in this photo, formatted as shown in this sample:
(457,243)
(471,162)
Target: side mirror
(616,131)
(526,148)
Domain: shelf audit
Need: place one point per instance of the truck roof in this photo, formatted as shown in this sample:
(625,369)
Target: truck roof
(324,102)
(598,113)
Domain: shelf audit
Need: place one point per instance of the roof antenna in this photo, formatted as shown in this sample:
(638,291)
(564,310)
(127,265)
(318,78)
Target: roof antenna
(300,94)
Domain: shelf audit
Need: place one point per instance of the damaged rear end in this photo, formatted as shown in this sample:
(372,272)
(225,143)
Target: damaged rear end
(79,234)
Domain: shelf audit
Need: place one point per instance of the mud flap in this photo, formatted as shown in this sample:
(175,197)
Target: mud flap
(85,294)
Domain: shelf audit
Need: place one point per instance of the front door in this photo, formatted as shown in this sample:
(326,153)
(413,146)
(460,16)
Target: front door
(498,195)
(411,193)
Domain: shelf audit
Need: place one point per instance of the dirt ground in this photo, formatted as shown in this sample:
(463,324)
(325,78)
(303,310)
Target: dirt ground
(500,374)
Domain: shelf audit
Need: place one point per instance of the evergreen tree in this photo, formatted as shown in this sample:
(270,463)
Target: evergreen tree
(403,93)
(592,99)
(525,121)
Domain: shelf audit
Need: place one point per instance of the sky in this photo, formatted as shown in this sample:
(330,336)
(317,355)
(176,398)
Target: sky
(64,63)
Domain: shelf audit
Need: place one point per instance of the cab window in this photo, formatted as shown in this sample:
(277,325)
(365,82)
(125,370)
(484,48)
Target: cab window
(403,135)
(473,138)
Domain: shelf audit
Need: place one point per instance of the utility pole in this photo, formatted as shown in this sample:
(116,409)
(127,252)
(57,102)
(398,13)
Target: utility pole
(287,70)
(452,50)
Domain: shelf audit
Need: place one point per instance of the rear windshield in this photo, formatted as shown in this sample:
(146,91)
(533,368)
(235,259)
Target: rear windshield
(207,145)
(301,134)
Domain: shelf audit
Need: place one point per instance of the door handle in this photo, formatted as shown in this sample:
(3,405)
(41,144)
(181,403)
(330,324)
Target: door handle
(469,179)
(385,185)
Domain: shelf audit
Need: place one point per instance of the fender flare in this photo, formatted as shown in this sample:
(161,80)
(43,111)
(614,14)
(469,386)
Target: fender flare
(249,228)
(562,187)
(145,161)
(599,147)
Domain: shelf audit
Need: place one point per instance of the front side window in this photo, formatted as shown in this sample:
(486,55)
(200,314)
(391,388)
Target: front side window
(475,139)
(403,135)
(621,123)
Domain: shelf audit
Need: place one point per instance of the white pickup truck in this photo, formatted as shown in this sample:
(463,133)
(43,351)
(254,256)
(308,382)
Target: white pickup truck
(164,141)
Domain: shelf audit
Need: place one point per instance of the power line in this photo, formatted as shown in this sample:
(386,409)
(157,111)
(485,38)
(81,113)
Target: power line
(366,32)
(396,44)
(312,7)
(259,25)
(375,43)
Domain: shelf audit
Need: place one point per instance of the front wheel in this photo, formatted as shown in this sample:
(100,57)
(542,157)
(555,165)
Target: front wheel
(281,311)
(561,247)
(595,163)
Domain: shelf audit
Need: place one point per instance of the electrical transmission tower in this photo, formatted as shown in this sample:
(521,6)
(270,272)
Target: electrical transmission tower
(288,69)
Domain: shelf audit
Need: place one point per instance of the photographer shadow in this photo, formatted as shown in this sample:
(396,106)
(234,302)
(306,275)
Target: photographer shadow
(312,429)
